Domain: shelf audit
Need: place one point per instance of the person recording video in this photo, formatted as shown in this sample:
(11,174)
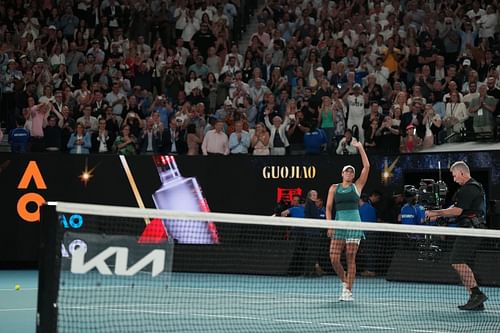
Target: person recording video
(411,213)
(468,209)
(347,145)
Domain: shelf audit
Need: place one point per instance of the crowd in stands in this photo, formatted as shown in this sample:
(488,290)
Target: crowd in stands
(146,77)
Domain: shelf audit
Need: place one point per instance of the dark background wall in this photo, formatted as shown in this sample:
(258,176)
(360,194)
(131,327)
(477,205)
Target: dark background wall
(234,184)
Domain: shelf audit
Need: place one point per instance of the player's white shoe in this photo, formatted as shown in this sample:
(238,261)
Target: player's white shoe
(346,295)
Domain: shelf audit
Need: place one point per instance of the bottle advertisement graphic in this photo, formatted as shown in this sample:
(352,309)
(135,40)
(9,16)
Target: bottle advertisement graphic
(182,194)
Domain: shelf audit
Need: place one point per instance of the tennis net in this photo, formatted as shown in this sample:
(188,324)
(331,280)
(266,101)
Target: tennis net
(102,270)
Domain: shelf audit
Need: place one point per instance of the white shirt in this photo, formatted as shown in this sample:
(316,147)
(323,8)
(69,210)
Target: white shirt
(469,97)
(57,59)
(103,147)
(229,69)
(181,55)
(190,85)
(215,143)
(180,15)
(439,74)
(356,106)
(472,14)
(348,40)
(111,97)
(239,59)
(150,141)
(487,25)
(79,147)
(192,26)
(91,123)
(382,75)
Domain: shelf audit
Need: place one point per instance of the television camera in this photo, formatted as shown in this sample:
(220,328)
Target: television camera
(430,194)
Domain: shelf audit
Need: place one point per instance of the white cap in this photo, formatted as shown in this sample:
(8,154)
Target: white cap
(39,60)
(347,167)
(52,27)
(466,62)
(320,69)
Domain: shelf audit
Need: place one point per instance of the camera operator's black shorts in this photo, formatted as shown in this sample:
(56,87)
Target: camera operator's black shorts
(464,250)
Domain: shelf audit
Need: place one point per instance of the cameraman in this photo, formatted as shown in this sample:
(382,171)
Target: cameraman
(411,212)
(469,212)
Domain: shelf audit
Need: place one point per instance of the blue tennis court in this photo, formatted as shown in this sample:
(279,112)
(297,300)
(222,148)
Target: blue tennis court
(245,303)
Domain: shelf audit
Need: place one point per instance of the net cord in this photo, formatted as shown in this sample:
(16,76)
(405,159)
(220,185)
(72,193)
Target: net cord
(141,213)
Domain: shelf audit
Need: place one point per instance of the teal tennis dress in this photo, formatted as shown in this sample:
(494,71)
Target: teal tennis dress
(347,209)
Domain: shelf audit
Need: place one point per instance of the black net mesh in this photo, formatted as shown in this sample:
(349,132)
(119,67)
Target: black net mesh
(261,278)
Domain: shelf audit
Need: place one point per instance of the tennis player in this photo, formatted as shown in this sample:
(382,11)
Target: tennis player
(346,198)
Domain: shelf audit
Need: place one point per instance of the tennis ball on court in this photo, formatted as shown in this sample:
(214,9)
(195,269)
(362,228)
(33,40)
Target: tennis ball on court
(18,287)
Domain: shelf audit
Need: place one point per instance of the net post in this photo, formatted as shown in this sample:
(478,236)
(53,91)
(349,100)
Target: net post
(48,270)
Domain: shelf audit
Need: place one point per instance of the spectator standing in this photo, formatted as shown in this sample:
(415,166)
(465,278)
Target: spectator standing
(239,140)
(102,140)
(278,141)
(347,146)
(79,141)
(125,143)
(356,105)
(52,134)
(456,114)
(487,23)
(174,137)
(388,136)
(150,138)
(90,122)
(482,110)
(433,126)
(116,99)
(216,141)
(414,118)
(260,140)
(194,139)
(327,119)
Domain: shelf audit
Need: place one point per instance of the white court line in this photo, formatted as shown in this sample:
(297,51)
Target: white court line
(281,298)
(12,289)
(287,298)
(301,301)
(427,331)
(261,319)
(21,309)
(331,324)
(378,328)
(292,297)
(103,287)
(293,321)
